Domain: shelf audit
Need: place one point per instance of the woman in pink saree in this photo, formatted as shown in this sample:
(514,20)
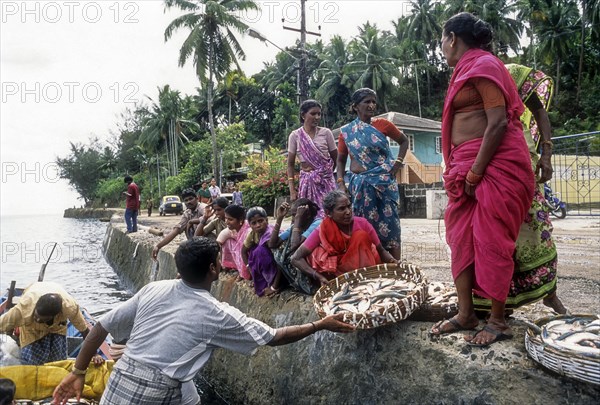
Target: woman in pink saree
(315,148)
(232,240)
(488,176)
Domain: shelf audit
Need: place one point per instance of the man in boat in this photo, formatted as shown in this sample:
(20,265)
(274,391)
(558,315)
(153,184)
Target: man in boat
(41,315)
(192,215)
(153,369)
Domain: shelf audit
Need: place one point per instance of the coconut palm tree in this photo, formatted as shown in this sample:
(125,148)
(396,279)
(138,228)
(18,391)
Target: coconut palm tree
(335,83)
(373,62)
(211,44)
(166,126)
(556,32)
(507,30)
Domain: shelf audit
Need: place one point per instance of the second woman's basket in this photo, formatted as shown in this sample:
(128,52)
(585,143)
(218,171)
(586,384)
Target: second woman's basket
(580,364)
(402,285)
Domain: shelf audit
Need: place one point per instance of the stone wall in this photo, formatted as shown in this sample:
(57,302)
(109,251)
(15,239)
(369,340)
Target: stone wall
(393,364)
(93,213)
(412,199)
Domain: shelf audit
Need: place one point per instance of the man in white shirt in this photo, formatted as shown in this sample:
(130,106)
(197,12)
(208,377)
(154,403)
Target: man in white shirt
(152,367)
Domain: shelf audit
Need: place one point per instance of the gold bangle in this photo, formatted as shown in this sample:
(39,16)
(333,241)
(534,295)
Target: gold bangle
(290,179)
(549,143)
(340,180)
(77,371)
(400,159)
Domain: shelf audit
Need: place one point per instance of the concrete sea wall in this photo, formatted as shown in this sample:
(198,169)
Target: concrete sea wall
(93,213)
(394,364)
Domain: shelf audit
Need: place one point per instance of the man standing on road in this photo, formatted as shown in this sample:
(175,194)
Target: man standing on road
(204,194)
(215,191)
(153,369)
(132,204)
(192,215)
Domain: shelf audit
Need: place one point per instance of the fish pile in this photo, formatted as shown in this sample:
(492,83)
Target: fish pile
(578,334)
(441,294)
(372,298)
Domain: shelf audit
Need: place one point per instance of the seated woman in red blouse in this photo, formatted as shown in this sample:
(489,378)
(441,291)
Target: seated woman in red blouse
(342,243)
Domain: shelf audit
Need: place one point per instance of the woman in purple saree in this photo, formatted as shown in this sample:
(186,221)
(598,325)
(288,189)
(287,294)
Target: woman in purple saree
(316,150)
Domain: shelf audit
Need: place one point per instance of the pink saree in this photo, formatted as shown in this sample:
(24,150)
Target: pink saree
(483,230)
(231,251)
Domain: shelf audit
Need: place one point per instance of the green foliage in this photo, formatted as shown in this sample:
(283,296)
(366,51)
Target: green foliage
(230,140)
(266,181)
(110,191)
(83,168)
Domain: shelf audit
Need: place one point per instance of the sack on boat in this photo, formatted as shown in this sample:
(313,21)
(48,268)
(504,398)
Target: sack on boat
(38,382)
(10,353)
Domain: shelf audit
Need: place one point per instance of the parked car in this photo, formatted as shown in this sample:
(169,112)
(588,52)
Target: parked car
(229,196)
(170,204)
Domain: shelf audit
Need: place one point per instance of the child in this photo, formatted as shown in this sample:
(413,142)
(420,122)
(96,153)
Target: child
(213,228)
(7,391)
(257,256)
(232,240)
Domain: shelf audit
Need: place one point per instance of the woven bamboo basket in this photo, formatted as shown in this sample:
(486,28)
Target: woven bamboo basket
(580,366)
(429,312)
(373,318)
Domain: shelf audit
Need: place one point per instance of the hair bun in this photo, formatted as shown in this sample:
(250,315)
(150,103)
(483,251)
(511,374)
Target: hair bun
(482,32)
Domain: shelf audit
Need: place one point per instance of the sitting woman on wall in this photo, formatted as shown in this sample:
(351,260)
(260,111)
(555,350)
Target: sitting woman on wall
(232,240)
(257,256)
(304,222)
(342,243)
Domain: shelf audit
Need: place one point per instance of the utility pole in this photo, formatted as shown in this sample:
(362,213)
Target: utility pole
(302,72)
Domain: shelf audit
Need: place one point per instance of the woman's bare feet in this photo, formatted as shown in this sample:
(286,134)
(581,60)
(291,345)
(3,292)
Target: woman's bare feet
(555,303)
(270,291)
(454,324)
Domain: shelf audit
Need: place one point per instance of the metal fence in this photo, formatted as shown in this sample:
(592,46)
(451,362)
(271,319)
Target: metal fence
(576,163)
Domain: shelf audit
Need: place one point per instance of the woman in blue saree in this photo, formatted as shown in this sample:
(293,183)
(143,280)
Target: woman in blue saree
(372,186)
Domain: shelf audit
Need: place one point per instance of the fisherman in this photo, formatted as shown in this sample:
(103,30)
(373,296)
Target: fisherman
(41,315)
(152,369)
(194,211)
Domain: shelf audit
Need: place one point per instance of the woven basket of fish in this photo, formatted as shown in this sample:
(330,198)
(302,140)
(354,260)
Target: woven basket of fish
(373,296)
(441,303)
(568,345)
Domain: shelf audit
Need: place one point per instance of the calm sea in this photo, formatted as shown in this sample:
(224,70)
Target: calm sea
(77,262)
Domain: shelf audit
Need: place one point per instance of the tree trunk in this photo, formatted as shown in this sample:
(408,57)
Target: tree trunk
(557,81)
(213,134)
(581,49)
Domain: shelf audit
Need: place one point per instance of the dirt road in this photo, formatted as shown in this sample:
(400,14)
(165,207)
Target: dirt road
(577,240)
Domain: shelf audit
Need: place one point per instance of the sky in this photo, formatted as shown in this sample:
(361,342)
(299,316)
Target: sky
(69,68)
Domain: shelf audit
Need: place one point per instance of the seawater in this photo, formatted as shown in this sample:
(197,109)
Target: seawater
(77,263)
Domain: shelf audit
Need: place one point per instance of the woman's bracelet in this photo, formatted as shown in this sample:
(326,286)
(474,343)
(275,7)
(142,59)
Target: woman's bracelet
(314,326)
(472,178)
(400,159)
(340,180)
(77,371)
(547,142)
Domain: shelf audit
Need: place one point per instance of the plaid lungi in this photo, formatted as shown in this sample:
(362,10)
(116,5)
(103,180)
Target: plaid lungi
(132,382)
(52,347)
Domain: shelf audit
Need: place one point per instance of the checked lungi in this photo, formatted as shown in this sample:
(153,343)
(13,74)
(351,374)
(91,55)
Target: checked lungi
(132,382)
(52,347)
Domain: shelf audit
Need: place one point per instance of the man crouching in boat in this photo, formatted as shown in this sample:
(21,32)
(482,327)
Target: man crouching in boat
(41,315)
(152,368)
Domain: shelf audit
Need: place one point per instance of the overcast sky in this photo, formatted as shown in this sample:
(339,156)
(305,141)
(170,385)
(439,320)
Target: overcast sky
(68,68)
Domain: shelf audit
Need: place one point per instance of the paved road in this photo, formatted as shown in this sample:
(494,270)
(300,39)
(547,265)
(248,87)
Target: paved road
(577,239)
